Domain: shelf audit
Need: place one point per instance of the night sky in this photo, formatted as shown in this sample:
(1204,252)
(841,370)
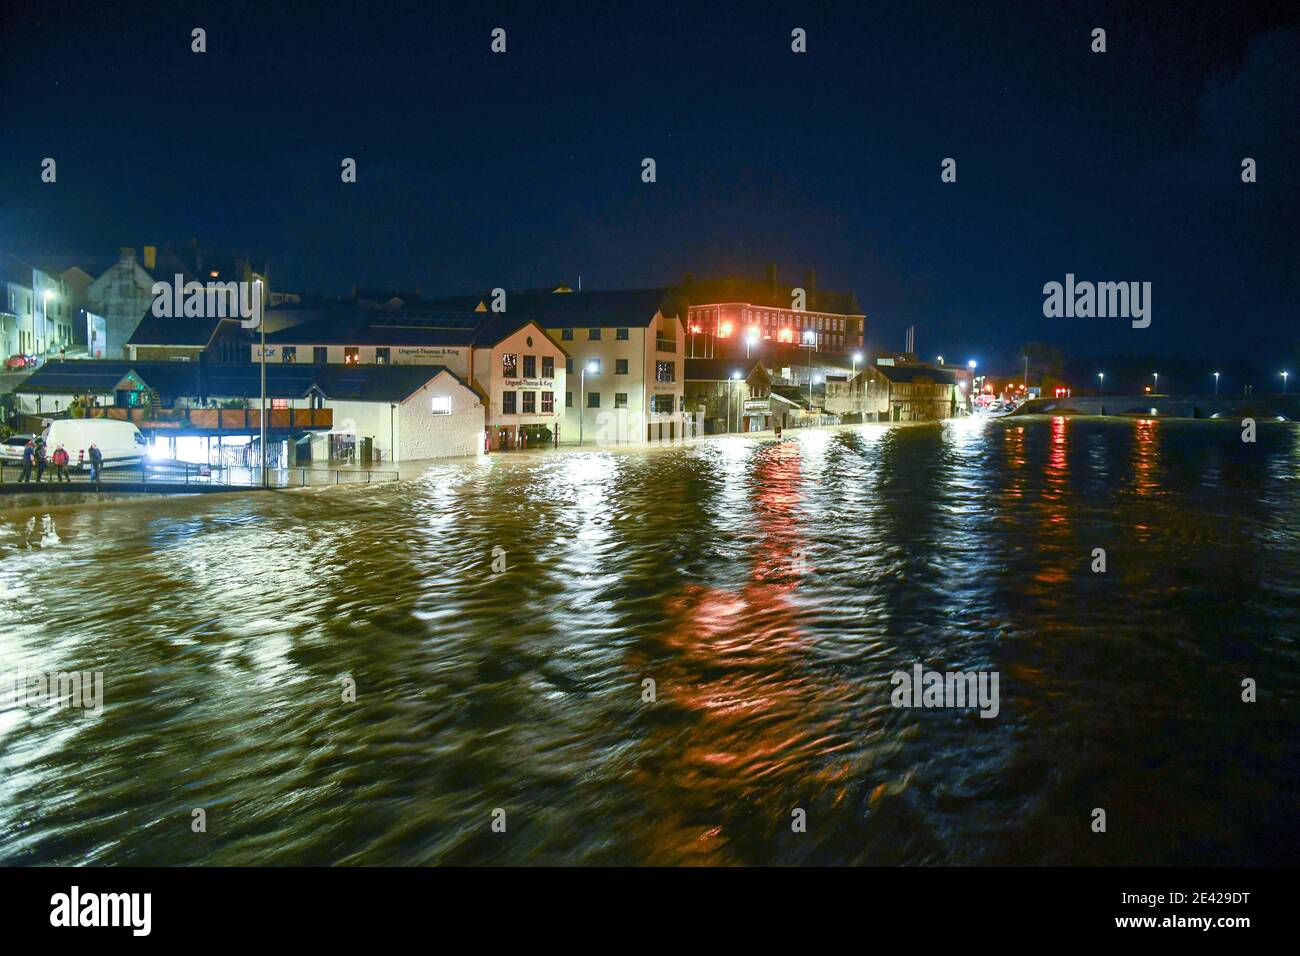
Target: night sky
(478,170)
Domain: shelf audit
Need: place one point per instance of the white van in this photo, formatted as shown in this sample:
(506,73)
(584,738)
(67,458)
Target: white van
(120,443)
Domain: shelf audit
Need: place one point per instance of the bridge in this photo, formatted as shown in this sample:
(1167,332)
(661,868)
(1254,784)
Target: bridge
(1262,407)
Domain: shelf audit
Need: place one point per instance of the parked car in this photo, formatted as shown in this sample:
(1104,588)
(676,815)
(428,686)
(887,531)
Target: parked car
(11,449)
(16,363)
(120,442)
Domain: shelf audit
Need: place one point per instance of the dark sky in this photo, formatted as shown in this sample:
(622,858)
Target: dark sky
(478,170)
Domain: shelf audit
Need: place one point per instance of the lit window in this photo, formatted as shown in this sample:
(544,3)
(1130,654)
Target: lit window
(510,365)
(351,355)
(442,404)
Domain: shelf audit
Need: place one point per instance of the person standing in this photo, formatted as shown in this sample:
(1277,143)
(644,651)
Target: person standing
(41,460)
(60,460)
(29,453)
(96,461)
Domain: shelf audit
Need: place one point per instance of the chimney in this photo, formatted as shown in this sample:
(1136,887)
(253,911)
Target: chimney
(126,254)
(810,283)
(771,277)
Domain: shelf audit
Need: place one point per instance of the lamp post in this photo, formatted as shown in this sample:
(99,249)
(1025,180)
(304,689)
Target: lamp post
(1156,389)
(1216,383)
(971,365)
(731,397)
(589,366)
(1101,382)
(1284,378)
(751,339)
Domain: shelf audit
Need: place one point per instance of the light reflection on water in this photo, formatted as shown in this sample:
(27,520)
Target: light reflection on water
(768,589)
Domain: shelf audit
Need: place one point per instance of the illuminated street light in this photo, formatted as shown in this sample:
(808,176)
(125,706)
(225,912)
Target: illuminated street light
(1216,383)
(751,339)
(1101,382)
(1284,378)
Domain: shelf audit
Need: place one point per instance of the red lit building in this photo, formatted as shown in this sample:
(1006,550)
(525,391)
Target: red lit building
(728,318)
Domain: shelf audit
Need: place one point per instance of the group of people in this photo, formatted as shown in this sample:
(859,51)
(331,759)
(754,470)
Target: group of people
(35,455)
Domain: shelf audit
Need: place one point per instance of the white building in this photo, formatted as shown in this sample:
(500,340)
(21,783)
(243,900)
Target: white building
(510,361)
(35,318)
(122,295)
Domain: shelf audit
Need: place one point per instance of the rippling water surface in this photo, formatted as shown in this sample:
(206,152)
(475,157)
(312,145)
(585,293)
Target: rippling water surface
(768,589)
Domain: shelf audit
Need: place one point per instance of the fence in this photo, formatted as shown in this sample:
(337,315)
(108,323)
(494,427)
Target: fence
(167,475)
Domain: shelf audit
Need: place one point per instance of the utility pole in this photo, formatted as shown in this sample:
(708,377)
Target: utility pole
(257,304)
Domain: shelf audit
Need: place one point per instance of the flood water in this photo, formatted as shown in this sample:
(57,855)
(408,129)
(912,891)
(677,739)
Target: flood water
(768,589)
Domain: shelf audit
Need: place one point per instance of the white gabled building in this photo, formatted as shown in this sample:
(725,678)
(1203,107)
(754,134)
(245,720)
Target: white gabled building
(510,361)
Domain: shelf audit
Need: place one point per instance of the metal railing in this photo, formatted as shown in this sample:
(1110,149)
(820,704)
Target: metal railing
(171,475)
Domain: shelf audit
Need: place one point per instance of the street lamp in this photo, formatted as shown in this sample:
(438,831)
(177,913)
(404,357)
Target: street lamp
(1156,390)
(857,357)
(940,358)
(1284,377)
(1216,383)
(751,339)
(735,377)
(593,367)
(1101,382)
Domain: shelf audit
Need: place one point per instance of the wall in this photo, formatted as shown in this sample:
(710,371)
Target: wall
(455,358)
(122,295)
(422,434)
(609,424)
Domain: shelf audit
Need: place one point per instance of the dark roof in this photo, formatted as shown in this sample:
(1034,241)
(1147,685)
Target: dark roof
(377,383)
(759,293)
(349,324)
(794,394)
(172,380)
(909,373)
(179,330)
(15,270)
(718,370)
(609,308)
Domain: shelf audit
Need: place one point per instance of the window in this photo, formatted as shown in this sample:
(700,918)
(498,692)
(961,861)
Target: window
(382,355)
(661,404)
(548,403)
(530,403)
(593,335)
(620,366)
(442,404)
(509,365)
(548,366)
(620,334)
(508,403)
(351,355)
(568,399)
(620,399)
(593,399)
(665,371)
(320,354)
(530,366)
(568,366)
(566,335)
(290,354)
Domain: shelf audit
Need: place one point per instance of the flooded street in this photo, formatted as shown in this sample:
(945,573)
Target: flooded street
(499,618)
